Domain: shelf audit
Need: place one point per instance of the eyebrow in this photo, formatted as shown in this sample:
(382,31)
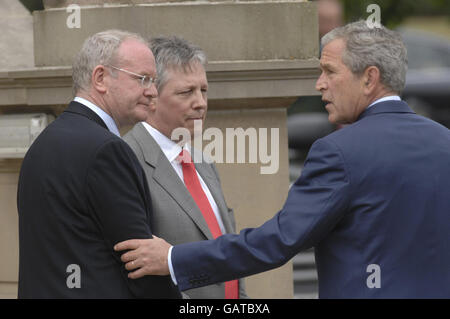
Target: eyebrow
(143,72)
(326,66)
(193,86)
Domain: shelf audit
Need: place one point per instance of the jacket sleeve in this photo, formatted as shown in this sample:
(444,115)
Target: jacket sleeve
(119,199)
(315,203)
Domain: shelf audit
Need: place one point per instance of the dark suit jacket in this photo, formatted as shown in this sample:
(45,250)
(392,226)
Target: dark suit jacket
(176,216)
(373,199)
(81,190)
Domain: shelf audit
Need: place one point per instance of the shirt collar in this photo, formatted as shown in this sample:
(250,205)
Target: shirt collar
(170,149)
(110,124)
(386,98)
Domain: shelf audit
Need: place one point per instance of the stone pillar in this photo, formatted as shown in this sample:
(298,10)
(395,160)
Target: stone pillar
(262,56)
(9,174)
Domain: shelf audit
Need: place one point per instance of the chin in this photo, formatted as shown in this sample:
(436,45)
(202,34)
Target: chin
(142,112)
(332,119)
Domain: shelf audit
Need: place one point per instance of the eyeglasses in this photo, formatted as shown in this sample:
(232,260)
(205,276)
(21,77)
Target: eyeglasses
(146,81)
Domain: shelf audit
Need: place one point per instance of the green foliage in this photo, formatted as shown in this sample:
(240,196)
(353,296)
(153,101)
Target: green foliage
(393,12)
(33,5)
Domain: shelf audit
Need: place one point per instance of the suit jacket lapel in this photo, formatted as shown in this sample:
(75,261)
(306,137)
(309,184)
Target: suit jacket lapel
(168,179)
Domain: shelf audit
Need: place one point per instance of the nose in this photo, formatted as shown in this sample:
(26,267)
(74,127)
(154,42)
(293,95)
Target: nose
(151,91)
(201,100)
(321,83)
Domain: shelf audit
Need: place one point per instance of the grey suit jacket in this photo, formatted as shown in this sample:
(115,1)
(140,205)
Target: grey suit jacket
(176,217)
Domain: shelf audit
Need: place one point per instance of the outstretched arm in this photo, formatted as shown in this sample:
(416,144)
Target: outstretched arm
(315,204)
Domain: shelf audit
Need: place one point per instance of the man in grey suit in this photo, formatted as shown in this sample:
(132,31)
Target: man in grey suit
(182,99)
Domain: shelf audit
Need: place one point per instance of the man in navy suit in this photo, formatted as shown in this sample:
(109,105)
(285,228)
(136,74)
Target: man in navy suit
(373,197)
(82,189)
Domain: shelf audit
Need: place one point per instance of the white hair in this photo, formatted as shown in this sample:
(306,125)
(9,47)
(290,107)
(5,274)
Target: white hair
(174,52)
(98,49)
(377,46)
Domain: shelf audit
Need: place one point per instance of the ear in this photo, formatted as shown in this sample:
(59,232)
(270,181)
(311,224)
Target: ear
(98,79)
(371,78)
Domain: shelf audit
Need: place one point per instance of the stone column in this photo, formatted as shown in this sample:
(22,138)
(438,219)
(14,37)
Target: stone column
(262,56)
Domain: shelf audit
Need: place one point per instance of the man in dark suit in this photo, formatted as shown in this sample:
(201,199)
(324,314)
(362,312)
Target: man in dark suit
(182,99)
(81,188)
(372,198)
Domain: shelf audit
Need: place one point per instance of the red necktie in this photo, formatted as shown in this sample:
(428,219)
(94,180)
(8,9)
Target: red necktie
(195,188)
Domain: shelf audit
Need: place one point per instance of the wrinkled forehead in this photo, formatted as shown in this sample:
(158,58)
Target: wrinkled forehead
(134,52)
(189,70)
(186,68)
(332,52)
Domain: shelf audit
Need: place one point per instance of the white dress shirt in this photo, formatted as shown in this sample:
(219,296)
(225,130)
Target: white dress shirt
(107,119)
(171,150)
(386,98)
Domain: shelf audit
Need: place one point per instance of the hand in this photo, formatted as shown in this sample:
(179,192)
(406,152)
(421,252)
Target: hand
(148,256)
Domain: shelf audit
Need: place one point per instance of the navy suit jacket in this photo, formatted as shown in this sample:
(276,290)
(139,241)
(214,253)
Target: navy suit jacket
(373,199)
(82,190)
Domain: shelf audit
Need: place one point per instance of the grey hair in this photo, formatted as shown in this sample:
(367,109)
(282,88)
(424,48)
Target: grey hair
(377,46)
(99,49)
(174,53)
